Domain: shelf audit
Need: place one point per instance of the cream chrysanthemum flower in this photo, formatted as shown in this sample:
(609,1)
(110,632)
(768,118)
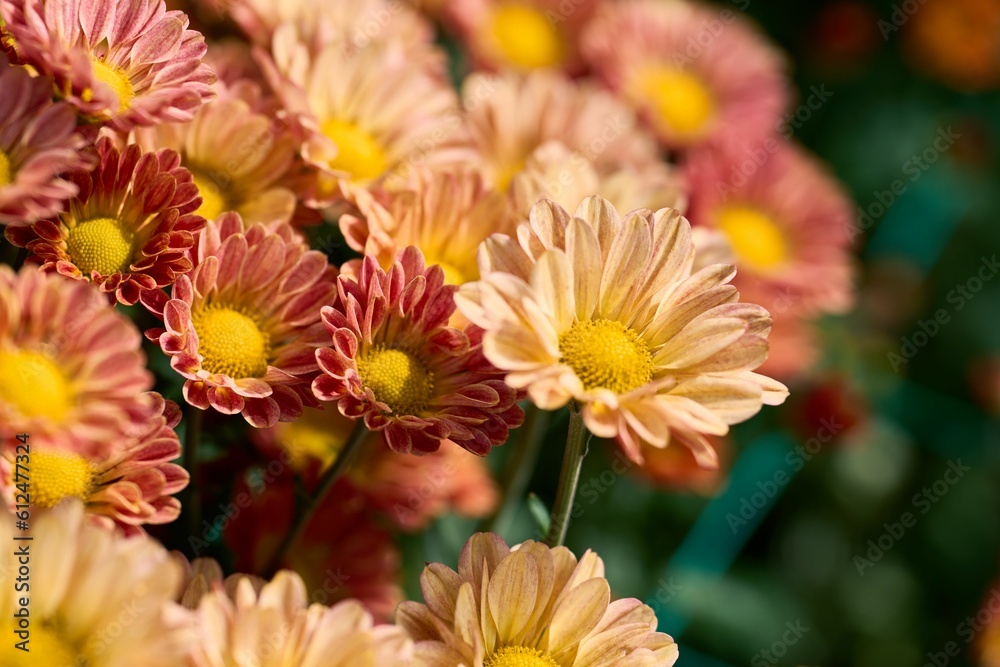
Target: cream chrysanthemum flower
(243,327)
(604,311)
(129,63)
(74,375)
(97,598)
(532,606)
(274,626)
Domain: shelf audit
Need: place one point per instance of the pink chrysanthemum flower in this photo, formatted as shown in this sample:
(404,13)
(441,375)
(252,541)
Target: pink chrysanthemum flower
(74,375)
(239,157)
(533,606)
(128,227)
(522,34)
(397,364)
(509,116)
(788,224)
(274,624)
(128,63)
(384,112)
(242,326)
(131,486)
(38,143)
(696,74)
(605,312)
(97,598)
(446,213)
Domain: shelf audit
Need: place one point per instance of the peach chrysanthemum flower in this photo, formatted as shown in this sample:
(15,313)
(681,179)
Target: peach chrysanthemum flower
(410,490)
(128,227)
(521,34)
(131,486)
(97,598)
(38,144)
(446,213)
(531,606)
(604,311)
(696,74)
(129,63)
(74,375)
(511,115)
(384,111)
(397,364)
(274,625)
(239,157)
(242,326)
(789,226)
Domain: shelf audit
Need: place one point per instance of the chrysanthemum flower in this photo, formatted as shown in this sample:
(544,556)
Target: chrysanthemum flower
(509,116)
(131,486)
(129,63)
(384,111)
(410,490)
(697,75)
(239,157)
(74,375)
(277,626)
(606,312)
(446,213)
(675,468)
(38,143)
(532,606)
(87,581)
(128,227)
(242,327)
(787,224)
(956,42)
(396,364)
(567,178)
(521,34)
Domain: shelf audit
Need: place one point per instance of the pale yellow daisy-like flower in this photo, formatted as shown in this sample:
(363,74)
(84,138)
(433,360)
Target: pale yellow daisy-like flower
(532,606)
(605,312)
(274,626)
(97,599)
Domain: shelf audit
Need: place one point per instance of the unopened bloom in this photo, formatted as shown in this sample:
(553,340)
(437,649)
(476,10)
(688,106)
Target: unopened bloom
(396,363)
(131,486)
(694,77)
(129,63)
(128,227)
(275,625)
(532,606)
(74,375)
(604,311)
(97,598)
(38,143)
(242,327)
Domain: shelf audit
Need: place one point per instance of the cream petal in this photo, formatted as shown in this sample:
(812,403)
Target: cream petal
(584,252)
(690,415)
(552,281)
(513,591)
(576,615)
(699,341)
(732,399)
(623,269)
(603,218)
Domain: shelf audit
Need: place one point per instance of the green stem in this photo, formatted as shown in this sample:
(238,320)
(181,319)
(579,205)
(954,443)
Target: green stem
(192,498)
(332,474)
(518,469)
(577,439)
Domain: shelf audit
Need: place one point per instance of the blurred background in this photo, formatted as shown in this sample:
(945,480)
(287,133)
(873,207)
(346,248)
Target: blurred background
(859,524)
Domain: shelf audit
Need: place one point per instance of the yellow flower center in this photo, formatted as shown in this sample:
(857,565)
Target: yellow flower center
(526,37)
(214,201)
(5,175)
(231,342)
(755,238)
(519,656)
(397,379)
(679,99)
(358,153)
(314,437)
(115,77)
(101,244)
(56,475)
(34,384)
(606,354)
(48,649)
